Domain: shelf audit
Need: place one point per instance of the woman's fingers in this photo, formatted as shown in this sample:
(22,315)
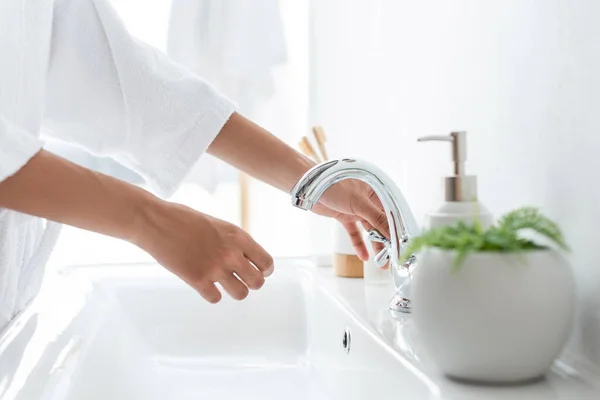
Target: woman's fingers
(250,275)
(357,240)
(209,291)
(257,255)
(373,214)
(246,269)
(233,286)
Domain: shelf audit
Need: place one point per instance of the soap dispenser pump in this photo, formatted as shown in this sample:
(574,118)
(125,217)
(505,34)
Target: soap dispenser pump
(460,190)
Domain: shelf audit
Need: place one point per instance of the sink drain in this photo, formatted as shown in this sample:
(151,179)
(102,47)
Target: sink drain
(346,340)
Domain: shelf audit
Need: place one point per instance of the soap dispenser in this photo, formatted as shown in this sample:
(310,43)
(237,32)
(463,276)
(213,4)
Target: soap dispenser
(460,190)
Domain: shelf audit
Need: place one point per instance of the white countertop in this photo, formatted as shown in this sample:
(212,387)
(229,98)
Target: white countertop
(370,303)
(568,379)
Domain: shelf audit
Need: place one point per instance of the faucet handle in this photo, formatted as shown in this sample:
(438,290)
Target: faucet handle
(376,236)
(384,255)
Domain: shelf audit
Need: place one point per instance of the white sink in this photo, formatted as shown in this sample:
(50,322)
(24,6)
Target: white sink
(137,332)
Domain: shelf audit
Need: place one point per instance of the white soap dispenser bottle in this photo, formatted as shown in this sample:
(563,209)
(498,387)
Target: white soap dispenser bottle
(460,190)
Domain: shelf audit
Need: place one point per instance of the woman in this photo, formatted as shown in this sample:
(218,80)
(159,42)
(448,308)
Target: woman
(69,67)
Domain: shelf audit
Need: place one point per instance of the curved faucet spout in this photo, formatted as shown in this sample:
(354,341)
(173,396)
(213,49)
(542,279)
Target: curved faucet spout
(307,192)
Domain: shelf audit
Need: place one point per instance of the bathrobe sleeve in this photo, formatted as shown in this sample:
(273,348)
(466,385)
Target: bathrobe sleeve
(116,96)
(17,147)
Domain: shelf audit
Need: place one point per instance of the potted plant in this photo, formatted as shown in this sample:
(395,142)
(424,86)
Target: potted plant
(493,305)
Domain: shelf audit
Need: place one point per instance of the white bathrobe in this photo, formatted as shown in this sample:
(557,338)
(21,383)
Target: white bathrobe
(70,67)
(235,44)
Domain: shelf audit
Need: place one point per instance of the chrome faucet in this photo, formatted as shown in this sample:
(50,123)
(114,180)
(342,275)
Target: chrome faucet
(403,226)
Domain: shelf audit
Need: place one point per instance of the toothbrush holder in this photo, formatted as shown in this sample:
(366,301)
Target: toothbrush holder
(345,261)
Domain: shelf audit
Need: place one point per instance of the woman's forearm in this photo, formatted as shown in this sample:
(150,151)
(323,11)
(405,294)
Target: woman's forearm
(255,151)
(198,248)
(53,188)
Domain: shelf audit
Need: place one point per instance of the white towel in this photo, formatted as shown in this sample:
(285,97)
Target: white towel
(234,44)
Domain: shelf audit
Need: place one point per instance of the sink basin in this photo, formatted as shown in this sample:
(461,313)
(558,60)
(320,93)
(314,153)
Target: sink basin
(138,332)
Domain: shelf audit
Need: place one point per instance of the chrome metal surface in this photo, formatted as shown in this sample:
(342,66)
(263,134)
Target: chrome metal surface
(400,305)
(411,261)
(376,236)
(459,186)
(309,189)
(458,140)
(347,340)
(384,255)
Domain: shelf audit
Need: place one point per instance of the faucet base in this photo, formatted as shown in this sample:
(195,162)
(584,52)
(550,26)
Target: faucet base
(400,304)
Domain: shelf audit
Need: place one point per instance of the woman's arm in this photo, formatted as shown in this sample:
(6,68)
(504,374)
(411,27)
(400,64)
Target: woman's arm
(196,247)
(51,187)
(119,97)
(257,152)
(252,149)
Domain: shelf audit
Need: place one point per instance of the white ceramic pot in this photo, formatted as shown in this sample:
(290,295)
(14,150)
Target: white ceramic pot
(498,318)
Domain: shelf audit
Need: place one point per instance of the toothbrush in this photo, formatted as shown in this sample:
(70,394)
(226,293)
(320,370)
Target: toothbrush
(321,139)
(308,150)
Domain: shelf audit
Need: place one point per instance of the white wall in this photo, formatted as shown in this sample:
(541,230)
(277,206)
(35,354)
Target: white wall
(521,76)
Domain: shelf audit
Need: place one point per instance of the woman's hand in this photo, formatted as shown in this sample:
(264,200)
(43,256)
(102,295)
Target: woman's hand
(203,250)
(252,149)
(353,201)
(198,248)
